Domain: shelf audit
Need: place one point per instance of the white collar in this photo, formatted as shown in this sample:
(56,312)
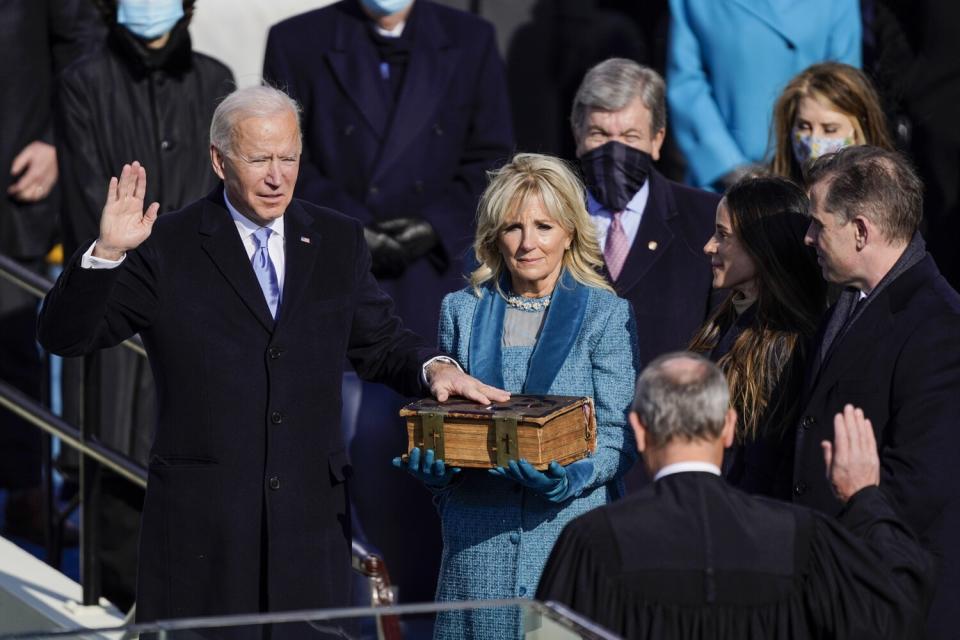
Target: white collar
(247,226)
(396,32)
(686,466)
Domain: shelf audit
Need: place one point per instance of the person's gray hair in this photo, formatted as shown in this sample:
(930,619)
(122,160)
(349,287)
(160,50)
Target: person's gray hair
(260,101)
(683,395)
(611,85)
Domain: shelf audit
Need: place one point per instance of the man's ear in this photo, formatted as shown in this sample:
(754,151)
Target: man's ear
(656,142)
(639,431)
(729,428)
(862,231)
(216,160)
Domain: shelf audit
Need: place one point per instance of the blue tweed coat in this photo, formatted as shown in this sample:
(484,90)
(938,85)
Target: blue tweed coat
(497,534)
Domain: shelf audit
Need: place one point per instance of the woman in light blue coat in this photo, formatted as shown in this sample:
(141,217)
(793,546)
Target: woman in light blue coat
(538,319)
(728,60)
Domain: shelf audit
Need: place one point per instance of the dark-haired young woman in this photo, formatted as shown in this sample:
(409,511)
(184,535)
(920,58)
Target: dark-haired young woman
(759,335)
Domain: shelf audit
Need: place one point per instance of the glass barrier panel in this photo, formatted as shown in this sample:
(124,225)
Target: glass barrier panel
(522,619)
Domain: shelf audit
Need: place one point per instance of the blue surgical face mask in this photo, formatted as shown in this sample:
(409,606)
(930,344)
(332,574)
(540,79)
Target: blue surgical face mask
(809,147)
(149,19)
(385,7)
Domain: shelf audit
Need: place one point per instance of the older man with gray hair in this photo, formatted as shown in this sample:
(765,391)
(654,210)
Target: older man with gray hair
(248,301)
(690,557)
(650,229)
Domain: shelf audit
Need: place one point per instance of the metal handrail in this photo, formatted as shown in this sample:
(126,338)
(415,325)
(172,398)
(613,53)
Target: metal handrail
(34,413)
(365,562)
(37,286)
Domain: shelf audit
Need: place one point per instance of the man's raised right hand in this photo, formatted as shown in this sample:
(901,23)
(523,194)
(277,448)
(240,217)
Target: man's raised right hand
(123,224)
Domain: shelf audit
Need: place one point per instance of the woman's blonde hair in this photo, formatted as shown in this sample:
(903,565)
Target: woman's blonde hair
(532,175)
(840,87)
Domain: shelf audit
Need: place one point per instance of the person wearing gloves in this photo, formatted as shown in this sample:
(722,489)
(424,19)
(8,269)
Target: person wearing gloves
(538,318)
(405,110)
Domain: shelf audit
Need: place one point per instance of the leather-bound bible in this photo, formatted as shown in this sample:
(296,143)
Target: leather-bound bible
(536,428)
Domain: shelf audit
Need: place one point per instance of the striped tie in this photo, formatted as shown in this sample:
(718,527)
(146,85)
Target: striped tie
(617,246)
(264,269)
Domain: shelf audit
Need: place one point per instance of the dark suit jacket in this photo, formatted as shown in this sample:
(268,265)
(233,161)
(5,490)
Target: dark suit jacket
(900,362)
(669,284)
(692,557)
(247,471)
(450,125)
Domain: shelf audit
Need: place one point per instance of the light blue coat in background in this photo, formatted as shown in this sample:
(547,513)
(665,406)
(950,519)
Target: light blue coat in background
(496,534)
(729,60)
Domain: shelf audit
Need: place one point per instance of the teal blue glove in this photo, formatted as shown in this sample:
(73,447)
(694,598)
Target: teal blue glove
(431,472)
(556,484)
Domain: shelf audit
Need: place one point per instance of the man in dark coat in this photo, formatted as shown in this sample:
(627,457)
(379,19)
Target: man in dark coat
(890,346)
(143,69)
(38,38)
(247,301)
(691,557)
(651,230)
(404,113)
(405,110)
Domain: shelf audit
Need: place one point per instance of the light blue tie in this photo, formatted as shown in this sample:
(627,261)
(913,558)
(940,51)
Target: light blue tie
(266,273)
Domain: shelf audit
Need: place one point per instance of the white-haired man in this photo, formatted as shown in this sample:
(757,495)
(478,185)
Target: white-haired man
(248,301)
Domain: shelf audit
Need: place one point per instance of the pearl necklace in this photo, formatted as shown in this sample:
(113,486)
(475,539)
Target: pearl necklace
(528,304)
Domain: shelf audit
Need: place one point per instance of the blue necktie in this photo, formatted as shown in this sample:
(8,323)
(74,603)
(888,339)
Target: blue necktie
(264,269)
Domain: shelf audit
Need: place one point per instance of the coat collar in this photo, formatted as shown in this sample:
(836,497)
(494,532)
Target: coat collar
(433,61)
(223,245)
(871,327)
(565,316)
(766,13)
(654,235)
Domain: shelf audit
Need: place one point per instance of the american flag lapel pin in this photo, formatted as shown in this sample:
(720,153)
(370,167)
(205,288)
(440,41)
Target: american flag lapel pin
(305,239)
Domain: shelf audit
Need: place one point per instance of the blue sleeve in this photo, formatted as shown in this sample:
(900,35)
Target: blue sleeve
(615,360)
(699,127)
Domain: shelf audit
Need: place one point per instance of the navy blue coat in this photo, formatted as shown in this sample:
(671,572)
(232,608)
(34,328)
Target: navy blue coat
(899,362)
(247,471)
(666,276)
(451,124)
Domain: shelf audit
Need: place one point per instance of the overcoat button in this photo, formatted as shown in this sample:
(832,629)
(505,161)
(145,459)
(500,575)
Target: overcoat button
(522,591)
(807,422)
(515,538)
(274,353)
(276,417)
(274,483)
(800,488)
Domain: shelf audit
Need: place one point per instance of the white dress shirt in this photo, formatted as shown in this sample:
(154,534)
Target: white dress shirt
(630,219)
(683,467)
(276,245)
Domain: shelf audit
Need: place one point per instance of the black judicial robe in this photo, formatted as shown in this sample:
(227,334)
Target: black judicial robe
(691,557)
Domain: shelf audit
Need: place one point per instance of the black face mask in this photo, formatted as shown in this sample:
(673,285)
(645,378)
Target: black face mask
(614,172)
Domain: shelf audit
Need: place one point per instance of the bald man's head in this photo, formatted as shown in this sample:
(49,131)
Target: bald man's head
(681,395)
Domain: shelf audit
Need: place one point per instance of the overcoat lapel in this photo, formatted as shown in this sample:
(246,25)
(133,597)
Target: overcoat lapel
(856,343)
(222,243)
(653,237)
(354,61)
(433,60)
(486,335)
(568,307)
(770,16)
(302,245)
